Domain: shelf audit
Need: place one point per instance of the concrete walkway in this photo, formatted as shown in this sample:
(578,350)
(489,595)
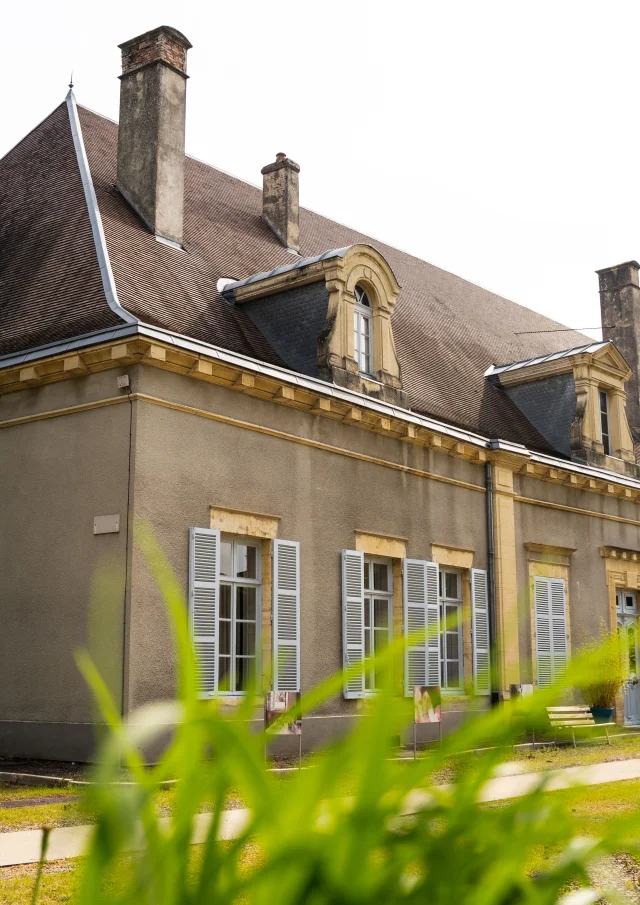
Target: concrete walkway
(23,846)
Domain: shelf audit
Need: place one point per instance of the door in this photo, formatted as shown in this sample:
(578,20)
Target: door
(627,616)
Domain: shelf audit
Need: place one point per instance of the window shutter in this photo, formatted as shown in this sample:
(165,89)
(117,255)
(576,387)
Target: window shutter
(544,650)
(480,615)
(558,627)
(551,629)
(204,594)
(286,615)
(421,615)
(353,620)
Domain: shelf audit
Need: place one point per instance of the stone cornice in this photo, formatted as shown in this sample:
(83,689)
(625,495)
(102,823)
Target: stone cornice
(311,397)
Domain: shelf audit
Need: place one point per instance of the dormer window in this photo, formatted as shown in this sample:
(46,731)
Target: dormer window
(605,427)
(363,330)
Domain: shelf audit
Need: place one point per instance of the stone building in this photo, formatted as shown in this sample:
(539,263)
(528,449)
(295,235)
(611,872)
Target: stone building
(332,441)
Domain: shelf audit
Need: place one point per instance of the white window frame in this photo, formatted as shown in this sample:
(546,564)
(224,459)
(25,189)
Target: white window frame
(448,602)
(603,396)
(363,324)
(238,540)
(370,594)
(621,603)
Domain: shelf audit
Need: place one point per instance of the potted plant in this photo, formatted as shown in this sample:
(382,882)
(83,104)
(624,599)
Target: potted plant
(607,676)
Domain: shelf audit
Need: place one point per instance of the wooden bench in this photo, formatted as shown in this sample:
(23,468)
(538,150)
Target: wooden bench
(572,718)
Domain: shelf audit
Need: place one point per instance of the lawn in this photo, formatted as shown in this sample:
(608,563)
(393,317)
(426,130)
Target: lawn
(66,813)
(593,807)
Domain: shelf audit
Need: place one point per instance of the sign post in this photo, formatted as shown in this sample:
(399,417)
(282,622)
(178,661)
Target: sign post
(427,708)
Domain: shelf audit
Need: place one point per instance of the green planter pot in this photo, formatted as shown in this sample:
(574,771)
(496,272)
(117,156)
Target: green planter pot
(602,714)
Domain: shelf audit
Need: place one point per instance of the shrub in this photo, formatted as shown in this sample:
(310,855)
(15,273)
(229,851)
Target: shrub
(606,674)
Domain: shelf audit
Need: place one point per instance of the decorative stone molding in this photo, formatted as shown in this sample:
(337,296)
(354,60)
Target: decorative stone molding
(548,553)
(361,265)
(374,544)
(247,524)
(455,557)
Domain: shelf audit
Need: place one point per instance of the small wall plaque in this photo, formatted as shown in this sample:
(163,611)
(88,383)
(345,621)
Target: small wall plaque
(106,524)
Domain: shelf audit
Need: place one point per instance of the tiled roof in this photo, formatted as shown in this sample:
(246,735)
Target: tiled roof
(447,331)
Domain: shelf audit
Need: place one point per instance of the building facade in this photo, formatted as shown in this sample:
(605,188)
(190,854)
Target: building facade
(335,444)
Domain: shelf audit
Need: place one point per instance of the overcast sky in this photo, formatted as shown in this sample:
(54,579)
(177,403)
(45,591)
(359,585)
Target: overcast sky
(497,140)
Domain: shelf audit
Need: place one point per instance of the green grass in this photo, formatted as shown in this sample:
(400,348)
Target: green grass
(594,807)
(530,761)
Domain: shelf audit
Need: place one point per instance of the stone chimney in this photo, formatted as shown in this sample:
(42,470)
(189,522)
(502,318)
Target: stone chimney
(620,311)
(151,133)
(280,200)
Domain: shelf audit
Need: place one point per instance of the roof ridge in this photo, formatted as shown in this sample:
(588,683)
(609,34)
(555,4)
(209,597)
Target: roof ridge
(97,231)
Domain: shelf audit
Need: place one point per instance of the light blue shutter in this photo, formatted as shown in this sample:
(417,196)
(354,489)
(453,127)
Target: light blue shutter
(204,596)
(558,627)
(544,647)
(421,624)
(353,620)
(286,615)
(480,610)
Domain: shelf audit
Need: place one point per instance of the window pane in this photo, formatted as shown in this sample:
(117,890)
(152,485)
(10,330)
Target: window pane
(451,585)
(246,603)
(246,638)
(225,637)
(246,561)
(367,569)
(367,613)
(245,667)
(367,642)
(224,674)
(452,617)
(225,601)
(441,581)
(453,675)
(381,613)
(226,564)
(453,650)
(381,576)
(629,601)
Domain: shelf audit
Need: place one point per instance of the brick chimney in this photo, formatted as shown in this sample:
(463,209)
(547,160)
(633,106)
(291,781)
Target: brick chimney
(280,200)
(620,311)
(151,133)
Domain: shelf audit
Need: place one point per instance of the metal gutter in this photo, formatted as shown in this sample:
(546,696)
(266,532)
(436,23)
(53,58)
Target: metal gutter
(99,240)
(491,581)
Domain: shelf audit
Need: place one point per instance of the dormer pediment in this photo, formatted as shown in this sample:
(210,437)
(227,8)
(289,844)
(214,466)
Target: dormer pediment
(576,399)
(330,316)
(610,359)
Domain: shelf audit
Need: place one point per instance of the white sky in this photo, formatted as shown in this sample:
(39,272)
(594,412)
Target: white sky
(498,140)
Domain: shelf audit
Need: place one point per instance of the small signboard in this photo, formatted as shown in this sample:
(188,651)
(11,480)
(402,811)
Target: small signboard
(276,703)
(427,708)
(427,704)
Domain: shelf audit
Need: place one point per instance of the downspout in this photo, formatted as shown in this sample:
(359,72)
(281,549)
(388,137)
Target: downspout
(491,576)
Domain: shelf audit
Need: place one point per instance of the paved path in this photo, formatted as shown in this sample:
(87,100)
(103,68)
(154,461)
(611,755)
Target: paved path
(23,846)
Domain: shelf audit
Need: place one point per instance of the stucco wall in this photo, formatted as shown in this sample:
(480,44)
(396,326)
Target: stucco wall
(588,600)
(57,474)
(186,463)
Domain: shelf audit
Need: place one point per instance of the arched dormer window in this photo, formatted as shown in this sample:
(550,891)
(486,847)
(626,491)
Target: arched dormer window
(363,330)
